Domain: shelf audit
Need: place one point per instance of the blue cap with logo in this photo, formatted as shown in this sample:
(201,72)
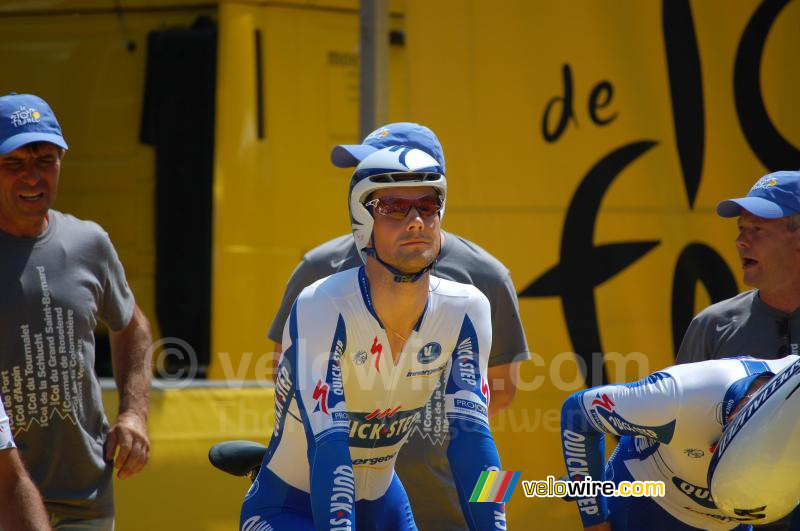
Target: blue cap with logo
(25,118)
(775,195)
(396,134)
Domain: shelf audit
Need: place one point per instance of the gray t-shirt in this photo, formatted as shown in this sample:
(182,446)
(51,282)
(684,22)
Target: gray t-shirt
(54,288)
(422,464)
(741,326)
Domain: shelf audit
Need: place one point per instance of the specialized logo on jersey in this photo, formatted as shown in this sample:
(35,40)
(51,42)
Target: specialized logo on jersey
(330,393)
(376,350)
(343,496)
(603,407)
(380,427)
(699,495)
(429,352)
(694,453)
(321,396)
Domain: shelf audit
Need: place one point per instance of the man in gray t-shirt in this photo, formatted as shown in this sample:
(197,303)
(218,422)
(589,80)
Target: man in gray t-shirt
(422,464)
(59,276)
(763,322)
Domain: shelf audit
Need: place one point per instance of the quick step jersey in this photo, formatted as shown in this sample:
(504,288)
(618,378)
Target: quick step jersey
(344,407)
(673,419)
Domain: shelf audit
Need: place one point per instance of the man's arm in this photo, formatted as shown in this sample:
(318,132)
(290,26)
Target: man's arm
(21,506)
(586,416)
(508,338)
(130,355)
(503,385)
(471,450)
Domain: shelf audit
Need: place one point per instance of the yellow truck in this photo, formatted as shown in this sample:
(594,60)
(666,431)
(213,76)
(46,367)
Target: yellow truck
(587,145)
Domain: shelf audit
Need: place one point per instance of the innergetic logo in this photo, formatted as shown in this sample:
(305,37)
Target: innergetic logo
(25,115)
(321,396)
(429,352)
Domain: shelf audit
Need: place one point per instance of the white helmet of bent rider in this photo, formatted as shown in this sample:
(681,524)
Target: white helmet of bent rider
(391,167)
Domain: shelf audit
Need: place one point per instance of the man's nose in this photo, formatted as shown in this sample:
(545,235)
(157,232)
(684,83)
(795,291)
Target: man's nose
(30,173)
(415,221)
(742,241)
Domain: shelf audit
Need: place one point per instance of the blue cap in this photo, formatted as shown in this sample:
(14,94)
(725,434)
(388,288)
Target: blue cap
(25,118)
(775,195)
(397,134)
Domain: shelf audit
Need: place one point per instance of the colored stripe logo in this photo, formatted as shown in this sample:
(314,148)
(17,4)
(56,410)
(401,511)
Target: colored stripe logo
(495,486)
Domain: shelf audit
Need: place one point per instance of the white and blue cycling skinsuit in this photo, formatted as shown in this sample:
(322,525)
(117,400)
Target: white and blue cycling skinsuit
(668,422)
(344,409)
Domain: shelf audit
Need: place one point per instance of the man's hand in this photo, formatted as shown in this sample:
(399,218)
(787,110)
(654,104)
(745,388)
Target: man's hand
(129,435)
(130,354)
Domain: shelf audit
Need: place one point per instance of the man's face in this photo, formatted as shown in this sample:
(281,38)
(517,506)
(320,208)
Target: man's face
(769,251)
(410,243)
(28,186)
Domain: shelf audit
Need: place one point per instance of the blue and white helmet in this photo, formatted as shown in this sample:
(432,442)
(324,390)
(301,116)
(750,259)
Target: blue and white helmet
(391,167)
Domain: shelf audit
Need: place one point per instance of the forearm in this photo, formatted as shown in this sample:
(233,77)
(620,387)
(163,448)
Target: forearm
(26,510)
(21,506)
(503,385)
(131,357)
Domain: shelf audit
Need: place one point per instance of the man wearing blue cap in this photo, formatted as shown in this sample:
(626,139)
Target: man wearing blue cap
(422,464)
(763,322)
(58,276)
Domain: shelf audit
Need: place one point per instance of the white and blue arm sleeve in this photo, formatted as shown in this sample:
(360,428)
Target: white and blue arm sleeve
(318,339)
(645,408)
(472,449)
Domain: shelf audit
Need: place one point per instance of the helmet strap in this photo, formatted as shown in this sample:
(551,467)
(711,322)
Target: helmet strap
(399,276)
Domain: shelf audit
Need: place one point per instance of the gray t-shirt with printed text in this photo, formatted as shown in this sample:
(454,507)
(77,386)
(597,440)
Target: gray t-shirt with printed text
(53,290)
(422,464)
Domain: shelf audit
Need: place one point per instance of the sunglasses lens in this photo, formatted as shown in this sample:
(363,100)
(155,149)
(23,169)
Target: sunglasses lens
(427,206)
(399,207)
(394,207)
